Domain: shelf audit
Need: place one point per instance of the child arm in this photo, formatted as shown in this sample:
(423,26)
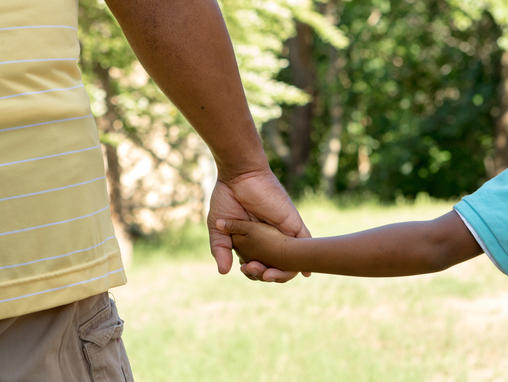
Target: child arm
(394,250)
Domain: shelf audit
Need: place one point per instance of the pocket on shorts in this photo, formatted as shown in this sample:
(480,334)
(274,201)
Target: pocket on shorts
(101,340)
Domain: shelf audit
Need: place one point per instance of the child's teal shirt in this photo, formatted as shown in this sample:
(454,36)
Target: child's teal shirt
(485,213)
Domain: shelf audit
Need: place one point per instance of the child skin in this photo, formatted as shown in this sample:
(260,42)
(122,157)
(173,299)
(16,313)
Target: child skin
(401,249)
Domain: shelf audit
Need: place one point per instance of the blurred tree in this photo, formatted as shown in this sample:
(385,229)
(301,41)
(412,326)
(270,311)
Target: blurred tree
(427,93)
(334,73)
(300,119)
(501,159)
(474,10)
(294,134)
(408,104)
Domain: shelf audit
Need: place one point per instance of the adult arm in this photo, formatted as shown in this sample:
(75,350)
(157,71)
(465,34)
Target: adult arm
(394,250)
(185,47)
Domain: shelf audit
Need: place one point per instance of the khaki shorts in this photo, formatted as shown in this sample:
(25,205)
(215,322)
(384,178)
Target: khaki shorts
(76,342)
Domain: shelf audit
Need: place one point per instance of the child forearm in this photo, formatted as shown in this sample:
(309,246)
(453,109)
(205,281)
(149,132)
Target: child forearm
(393,250)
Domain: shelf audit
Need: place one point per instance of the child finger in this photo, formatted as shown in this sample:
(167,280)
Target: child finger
(239,227)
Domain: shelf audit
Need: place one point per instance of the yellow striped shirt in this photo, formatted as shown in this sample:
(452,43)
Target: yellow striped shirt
(57,243)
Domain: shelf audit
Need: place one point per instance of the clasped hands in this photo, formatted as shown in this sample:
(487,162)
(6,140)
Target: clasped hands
(256,196)
(253,241)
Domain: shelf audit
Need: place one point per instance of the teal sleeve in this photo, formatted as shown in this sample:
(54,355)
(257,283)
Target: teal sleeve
(486,212)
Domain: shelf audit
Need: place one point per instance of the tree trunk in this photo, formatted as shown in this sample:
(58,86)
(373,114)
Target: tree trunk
(333,147)
(501,156)
(331,153)
(274,141)
(303,77)
(106,123)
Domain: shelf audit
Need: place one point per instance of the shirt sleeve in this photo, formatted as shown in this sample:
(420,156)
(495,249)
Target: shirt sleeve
(485,213)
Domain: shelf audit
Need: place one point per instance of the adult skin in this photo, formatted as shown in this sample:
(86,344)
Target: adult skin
(185,47)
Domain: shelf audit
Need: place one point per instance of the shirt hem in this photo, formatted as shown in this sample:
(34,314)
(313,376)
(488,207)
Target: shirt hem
(483,235)
(62,289)
(479,241)
(50,275)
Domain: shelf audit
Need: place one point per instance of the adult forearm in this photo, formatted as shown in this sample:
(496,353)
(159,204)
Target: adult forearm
(185,47)
(394,250)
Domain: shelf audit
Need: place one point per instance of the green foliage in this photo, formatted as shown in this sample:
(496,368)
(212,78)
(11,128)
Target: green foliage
(321,26)
(420,99)
(470,10)
(112,78)
(259,30)
(418,89)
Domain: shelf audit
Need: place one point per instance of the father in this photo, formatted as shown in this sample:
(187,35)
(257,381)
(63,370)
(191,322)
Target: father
(58,253)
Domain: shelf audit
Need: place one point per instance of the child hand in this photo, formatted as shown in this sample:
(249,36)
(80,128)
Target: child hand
(257,241)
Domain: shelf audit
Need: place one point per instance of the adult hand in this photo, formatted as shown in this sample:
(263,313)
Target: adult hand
(256,196)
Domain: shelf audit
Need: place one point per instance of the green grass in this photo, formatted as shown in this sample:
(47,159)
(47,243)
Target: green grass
(184,322)
(179,243)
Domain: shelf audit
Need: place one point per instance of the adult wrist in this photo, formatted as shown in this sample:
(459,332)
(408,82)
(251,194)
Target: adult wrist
(234,171)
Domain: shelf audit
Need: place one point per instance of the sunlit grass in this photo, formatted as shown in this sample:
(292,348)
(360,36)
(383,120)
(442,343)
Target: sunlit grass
(184,322)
